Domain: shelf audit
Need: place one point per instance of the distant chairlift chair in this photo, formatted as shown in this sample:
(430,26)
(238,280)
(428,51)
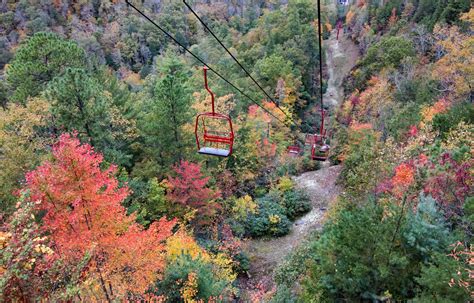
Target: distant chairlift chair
(294,150)
(320,152)
(318,142)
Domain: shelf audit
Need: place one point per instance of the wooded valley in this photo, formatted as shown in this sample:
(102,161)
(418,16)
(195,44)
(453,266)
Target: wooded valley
(129,171)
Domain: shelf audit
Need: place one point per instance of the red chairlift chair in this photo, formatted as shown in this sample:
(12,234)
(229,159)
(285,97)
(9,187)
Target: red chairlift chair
(320,152)
(213,131)
(294,150)
(319,147)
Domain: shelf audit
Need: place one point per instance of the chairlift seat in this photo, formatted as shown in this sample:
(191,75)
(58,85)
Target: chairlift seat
(320,152)
(214,134)
(324,148)
(294,150)
(219,152)
(311,139)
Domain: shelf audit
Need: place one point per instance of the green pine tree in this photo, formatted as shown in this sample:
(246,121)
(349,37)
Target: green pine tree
(80,103)
(167,110)
(41,58)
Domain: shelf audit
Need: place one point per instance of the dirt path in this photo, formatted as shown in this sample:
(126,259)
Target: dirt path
(341,58)
(266,254)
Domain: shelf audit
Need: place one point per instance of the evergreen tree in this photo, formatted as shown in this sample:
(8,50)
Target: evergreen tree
(166,112)
(38,60)
(81,104)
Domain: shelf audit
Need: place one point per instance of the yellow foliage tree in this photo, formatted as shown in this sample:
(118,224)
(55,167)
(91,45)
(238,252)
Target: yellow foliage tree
(455,69)
(459,136)
(350,16)
(183,243)
(285,184)
(429,112)
(243,206)
(21,145)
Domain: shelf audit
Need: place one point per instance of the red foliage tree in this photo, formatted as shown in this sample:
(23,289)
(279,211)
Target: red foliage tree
(450,183)
(190,190)
(84,216)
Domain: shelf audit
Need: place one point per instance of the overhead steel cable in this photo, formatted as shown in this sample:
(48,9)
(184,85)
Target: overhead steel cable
(320,55)
(204,63)
(238,62)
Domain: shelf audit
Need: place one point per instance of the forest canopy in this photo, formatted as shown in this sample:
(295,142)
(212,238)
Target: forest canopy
(104,196)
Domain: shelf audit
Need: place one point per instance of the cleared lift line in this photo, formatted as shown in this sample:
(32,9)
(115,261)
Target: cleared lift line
(205,64)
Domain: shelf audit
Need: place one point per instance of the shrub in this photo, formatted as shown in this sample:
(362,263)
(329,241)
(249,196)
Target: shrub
(294,166)
(285,184)
(242,263)
(271,214)
(296,203)
(239,228)
(260,191)
(243,206)
(291,270)
(283,294)
(185,273)
(269,220)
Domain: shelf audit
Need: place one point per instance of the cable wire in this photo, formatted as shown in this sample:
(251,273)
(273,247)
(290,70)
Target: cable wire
(204,63)
(238,62)
(320,55)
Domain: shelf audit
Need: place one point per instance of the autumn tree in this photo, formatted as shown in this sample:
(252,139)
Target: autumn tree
(194,274)
(361,159)
(153,205)
(84,217)
(23,141)
(23,256)
(190,190)
(455,70)
(37,61)
(388,52)
(272,68)
(260,136)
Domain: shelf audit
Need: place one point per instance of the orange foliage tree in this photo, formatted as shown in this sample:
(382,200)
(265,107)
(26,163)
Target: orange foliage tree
(404,177)
(85,220)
